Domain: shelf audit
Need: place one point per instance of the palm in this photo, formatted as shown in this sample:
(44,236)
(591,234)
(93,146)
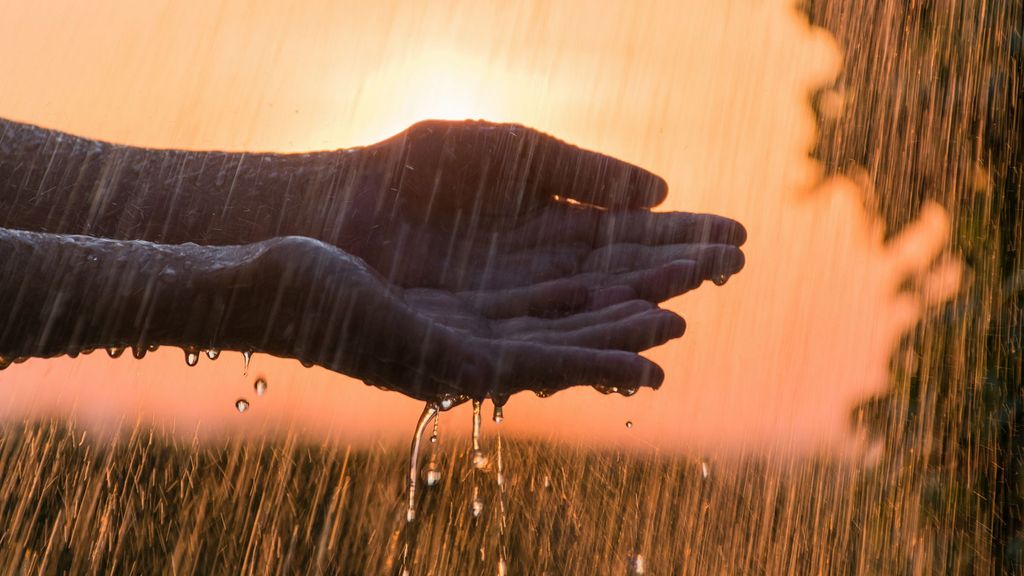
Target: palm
(501,347)
(475,205)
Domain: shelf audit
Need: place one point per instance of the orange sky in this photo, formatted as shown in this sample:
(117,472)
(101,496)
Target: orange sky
(711,95)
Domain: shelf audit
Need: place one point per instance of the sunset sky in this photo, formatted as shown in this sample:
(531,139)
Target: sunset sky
(713,96)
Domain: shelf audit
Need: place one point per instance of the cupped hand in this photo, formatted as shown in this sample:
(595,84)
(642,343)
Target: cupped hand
(472,205)
(438,345)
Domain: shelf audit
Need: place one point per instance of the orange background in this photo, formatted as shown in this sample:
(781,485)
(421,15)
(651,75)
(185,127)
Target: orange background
(714,96)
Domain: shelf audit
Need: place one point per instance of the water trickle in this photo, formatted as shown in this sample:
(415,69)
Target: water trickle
(241,405)
(246,357)
(260,386)
(191,356)
(433,434)
(477,456)
(212,353)
(476,425)
(115,351)
(429,412)
(502,567)
(499,414)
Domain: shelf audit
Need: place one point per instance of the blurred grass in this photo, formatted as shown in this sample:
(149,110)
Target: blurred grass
(149,505)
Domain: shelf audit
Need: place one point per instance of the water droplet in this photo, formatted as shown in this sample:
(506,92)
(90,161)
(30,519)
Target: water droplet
(115,351)
(212,353)
(246,357)
(242,405)
(499,414)
(431,474)
(306,364)
(477,507)
(547,482)
(88,351)
(720,279)
(629,423)
(628,391)
(449,402)
(260,386)
(139,352)
(636,565)
(479,459)
(191,356)
(606,389)
(5,362)
(21,359)
(705,470)
(153,347)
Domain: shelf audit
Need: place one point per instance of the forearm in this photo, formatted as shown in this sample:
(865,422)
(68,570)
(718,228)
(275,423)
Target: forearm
(291,297)
(58,183)
(64,294)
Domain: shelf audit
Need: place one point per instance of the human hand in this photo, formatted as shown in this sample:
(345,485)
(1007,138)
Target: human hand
(483,206)
(444,346)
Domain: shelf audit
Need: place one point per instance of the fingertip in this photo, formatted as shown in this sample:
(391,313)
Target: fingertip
(646,189)
(675,325)
(736,233)
(652,376)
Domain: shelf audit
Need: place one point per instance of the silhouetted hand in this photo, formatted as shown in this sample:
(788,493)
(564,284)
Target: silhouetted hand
(476,205)
(432,344)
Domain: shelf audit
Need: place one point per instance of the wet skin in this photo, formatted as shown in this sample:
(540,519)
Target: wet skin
(455,259)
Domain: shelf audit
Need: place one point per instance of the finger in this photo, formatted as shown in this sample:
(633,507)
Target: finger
(642,227)
(556,297)
(917,245)
(941,283)
(513,326)
(634,333)
(610,296)
(545,368)
(675,278)
(628,257)
(567,171)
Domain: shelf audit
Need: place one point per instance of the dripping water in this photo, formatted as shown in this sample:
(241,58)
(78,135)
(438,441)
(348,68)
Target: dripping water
(429,412)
